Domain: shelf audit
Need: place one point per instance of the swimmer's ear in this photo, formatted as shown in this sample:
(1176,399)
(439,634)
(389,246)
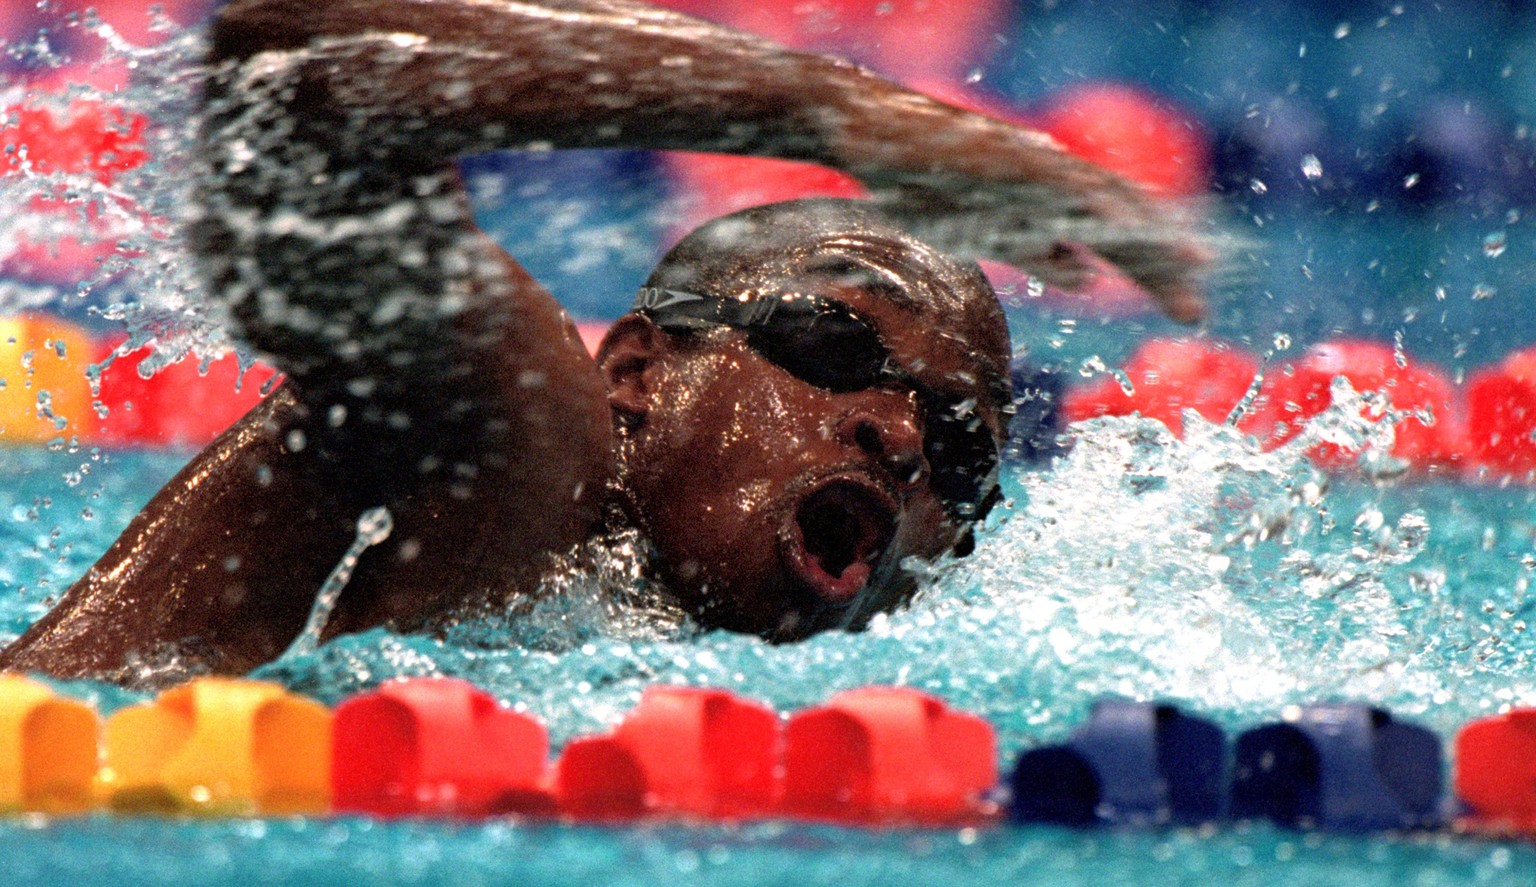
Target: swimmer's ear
(627,358)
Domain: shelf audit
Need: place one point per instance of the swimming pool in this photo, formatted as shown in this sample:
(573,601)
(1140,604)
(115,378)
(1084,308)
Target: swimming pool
(1047,617)
(1409,593)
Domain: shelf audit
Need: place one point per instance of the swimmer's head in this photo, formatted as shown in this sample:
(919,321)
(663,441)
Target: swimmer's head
(806,396)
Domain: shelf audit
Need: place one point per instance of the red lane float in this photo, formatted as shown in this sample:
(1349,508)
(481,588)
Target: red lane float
(1300,391)
(682,751)
(717,184)
(88,138)
(592,333)
(436,746)
(1167,377)
(1501,415)
(1495,773)
(1142,136)
(888,755)
(185,404)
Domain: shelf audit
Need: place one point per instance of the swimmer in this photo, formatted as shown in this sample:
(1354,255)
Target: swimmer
(804,397)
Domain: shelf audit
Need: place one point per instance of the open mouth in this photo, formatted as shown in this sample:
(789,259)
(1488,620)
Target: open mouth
(838,533)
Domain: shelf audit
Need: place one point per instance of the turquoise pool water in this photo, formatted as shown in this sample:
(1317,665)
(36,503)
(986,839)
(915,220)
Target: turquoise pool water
(1201,572)
(1415,595)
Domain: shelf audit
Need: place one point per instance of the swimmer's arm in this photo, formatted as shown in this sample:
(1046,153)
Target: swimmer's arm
(479,74)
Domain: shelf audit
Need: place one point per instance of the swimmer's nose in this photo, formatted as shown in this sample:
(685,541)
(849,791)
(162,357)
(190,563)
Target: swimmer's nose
(895,440)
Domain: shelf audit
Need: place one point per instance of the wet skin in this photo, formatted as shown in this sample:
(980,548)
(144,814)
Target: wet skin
(430,374)
(757,487)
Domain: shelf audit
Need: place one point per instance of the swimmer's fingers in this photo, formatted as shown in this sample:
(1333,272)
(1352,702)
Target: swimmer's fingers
(1170,271)
(1065,237)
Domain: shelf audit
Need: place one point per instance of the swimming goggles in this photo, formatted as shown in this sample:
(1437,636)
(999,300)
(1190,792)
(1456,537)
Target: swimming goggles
(825,343)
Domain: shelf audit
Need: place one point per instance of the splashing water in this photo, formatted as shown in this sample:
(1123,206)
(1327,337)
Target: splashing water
(373,527)
(146,280)
(1202,570)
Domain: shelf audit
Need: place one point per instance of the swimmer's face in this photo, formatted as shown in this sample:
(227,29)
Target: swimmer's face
(781,508)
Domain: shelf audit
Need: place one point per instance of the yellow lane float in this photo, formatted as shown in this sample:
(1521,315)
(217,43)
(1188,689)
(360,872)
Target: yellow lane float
(47,749)
(220,747)
(44,392)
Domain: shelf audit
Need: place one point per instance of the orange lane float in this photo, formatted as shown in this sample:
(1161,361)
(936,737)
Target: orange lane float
(44,394)
(437,747)
(888,755)
(1501,415)
(681,752)
(217,746)
(48,749)
(1495,773)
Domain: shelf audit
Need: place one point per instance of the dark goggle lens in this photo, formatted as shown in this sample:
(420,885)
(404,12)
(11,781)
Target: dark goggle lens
(833,350)
(824,343)
(837,351)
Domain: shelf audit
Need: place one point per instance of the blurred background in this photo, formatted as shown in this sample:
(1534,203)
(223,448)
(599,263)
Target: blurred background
(1369,163)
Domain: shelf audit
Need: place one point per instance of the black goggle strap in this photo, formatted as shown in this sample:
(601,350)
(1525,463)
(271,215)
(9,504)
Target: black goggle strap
(685,310)
(786,328)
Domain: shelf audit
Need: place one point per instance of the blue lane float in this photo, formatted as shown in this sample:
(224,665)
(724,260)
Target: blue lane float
(1339,767)
(1133,763)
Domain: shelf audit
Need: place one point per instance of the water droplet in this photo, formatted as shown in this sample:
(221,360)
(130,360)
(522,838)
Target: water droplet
(1342,31)
(973,75)
(1311,167)
(1282,341)
(1483,292)
(1257,186)
(1495,244)
(374,525)
(1411,180)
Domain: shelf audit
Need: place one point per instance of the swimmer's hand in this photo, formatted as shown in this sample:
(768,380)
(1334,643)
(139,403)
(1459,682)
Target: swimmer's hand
(994,190)
(485,74)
